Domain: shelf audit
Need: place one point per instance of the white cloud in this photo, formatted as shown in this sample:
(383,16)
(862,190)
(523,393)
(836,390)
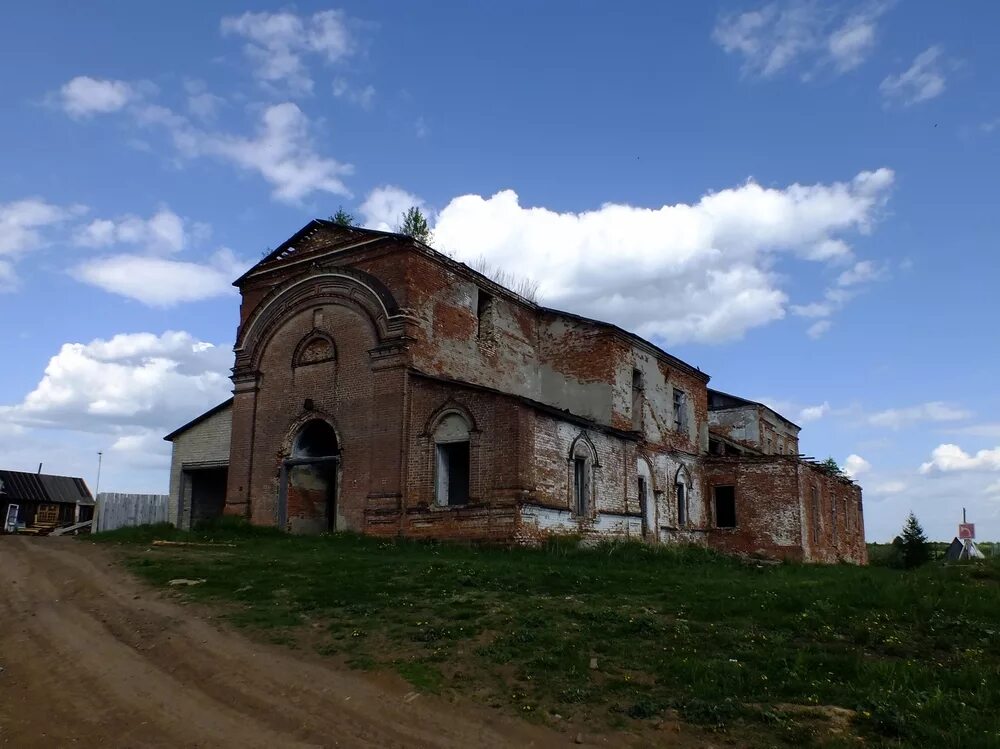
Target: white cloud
(993,489)
(158,282)
(163,232)
(277,42)
(888,487)
(132,379)
(933,411)
(923,80)
(363,97)
(202,103)
(950,457)
(84,96)
(814,413)
(686,272)
(23,225)
(855,465)
(852,43)
(818,329)
(384,207)
(836,296)
(282,151)
(801,34)
(863,271)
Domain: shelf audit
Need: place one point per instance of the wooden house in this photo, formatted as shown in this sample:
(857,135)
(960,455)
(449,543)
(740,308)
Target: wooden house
(38,502)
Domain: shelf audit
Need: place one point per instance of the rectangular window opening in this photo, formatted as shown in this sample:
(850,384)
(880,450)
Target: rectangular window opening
(725,506)
(682,515)
(643,510)
(453,473)
(484,303)
(636,399)
(680,412)
(580,485)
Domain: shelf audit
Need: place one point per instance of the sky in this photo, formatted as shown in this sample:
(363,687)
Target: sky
(797,197)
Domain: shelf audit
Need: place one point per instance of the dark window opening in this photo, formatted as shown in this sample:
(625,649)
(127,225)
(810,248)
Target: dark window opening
(643,509)
(484,304)
(682,515)
(453,473)
(580,485)
(680,412)
(725,507)
(636,399)
(316,440)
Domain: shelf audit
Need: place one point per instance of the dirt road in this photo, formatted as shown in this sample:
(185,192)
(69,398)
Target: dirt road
(91,657)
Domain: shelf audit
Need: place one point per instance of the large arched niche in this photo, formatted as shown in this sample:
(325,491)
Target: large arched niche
(348,288)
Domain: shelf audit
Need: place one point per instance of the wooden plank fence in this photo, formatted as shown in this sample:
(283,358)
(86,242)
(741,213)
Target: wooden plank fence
(116,510)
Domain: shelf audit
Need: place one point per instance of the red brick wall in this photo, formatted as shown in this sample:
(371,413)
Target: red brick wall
(768,519)
(775,515)
(836,532)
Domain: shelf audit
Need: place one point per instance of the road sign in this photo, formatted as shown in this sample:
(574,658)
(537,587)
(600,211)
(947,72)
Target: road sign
(966,530)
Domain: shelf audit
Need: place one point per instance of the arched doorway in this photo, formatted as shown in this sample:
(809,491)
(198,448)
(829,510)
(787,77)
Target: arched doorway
(307,494)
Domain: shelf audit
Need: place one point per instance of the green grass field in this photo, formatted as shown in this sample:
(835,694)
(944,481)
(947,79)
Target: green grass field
(624,635)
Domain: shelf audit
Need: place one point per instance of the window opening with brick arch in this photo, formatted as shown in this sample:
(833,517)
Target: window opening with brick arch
(682,484)
(452,461)
(582,460)
(725,506)
(647,501)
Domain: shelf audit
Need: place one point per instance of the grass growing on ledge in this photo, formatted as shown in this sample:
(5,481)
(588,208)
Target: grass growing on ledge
(677,633)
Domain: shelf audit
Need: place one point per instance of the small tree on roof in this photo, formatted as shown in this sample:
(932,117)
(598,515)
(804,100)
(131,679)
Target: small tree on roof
(342,217)
(831,465)
(913,543)
(414,224)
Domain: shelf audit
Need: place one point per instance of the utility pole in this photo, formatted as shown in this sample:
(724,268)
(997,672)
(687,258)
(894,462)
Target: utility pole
(97,486)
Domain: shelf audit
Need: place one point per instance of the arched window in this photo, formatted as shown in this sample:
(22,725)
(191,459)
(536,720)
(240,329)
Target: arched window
(682,484)
(315,348)
(316,439)
(647,503)
(452,461)
(581,460)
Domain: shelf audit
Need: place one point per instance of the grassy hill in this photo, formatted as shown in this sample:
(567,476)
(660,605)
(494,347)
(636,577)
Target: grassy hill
(626,635)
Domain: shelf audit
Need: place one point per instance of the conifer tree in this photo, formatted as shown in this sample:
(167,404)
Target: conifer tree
(415,225)
(342,217)
(913,543)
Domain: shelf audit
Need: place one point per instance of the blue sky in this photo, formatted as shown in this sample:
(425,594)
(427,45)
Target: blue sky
(796,197)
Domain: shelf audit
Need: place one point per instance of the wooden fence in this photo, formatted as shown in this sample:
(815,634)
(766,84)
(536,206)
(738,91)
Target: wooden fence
(115,510)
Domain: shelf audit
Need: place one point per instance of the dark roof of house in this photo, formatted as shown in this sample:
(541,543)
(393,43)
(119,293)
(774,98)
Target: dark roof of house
(198,419)
(354,237)
(40,487)
(719,401)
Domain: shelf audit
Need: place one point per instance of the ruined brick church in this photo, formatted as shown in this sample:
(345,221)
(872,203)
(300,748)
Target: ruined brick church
(384,388)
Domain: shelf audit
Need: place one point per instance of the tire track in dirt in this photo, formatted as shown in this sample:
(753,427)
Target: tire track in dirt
(92,658)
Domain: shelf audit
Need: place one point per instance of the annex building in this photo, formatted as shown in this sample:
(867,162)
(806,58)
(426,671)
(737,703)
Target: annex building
(384,388)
